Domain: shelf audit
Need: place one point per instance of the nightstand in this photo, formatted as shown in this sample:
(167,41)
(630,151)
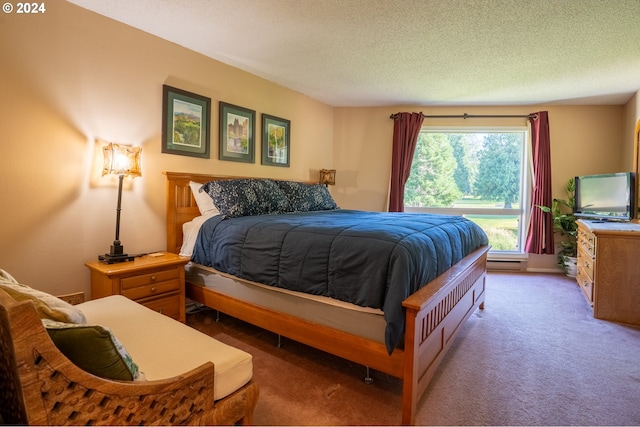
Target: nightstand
(154,281)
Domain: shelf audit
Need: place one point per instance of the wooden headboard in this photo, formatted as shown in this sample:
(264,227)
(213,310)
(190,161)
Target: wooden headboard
(181,206)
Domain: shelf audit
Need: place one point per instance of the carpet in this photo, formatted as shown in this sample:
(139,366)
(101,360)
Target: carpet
(534,356)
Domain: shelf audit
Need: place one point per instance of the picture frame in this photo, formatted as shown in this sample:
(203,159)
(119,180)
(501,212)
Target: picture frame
(276,141)
(237,133)
(186,123)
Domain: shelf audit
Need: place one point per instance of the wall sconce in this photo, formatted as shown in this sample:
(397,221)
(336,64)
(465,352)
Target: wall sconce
(328,177)
(122,161)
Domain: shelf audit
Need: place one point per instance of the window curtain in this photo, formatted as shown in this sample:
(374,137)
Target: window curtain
(540,235)
(406,128)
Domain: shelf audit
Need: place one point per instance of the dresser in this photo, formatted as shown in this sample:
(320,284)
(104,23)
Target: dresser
(155,281)
(609,269)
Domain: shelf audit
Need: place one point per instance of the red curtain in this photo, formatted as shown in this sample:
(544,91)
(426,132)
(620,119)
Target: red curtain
(540,235)
(406,128)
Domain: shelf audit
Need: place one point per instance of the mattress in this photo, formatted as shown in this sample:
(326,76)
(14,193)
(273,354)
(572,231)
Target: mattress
(364,322)
(371,259)
(163,347)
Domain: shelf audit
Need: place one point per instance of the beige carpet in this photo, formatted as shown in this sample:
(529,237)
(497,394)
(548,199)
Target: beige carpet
(533,356)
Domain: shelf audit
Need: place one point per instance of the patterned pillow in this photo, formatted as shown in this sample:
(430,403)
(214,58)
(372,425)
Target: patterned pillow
(307,197)
(94,349)
(47,305)
(247,196)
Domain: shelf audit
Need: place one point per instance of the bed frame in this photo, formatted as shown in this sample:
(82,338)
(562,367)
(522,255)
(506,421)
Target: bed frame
(434,313)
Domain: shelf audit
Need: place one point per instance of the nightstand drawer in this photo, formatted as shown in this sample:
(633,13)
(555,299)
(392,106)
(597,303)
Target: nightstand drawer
(155,281)
(150,278)
(151,290)
(169,306)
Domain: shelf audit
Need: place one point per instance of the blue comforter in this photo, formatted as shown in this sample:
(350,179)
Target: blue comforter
(370,259)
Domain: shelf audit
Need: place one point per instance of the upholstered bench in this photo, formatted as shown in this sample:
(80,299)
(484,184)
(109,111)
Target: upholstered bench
(184,376)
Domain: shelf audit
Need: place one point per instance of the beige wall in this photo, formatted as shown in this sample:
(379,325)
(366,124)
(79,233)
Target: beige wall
(584,140)
(631,117)
(69,77)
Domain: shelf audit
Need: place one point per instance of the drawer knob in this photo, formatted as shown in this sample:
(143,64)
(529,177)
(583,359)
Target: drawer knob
(153,278)
(153,289)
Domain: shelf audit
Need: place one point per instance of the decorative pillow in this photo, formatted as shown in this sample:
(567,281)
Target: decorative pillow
(94,349)
(247,196)
(307,197)
(203,200)
(47,306)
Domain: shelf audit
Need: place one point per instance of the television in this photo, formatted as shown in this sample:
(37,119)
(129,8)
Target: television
(605,197)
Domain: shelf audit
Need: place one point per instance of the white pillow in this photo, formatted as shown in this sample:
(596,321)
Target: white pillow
(190,233)
(203,200)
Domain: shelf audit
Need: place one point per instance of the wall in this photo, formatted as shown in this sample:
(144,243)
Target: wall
(631,117)
(584,140)
(70,77)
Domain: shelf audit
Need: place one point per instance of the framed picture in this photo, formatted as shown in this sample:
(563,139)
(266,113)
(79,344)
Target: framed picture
(237,140)
(275,141)
(186,123)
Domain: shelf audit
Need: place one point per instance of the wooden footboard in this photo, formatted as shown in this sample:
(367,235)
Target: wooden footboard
(434,314)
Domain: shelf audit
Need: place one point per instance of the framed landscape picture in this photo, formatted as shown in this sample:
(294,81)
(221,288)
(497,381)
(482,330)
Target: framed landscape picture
(185,123)
(237,140)
(275,141)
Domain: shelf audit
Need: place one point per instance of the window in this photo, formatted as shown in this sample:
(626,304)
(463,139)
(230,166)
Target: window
(479,174)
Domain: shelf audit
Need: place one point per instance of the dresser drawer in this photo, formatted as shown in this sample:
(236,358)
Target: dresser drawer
(167,305)
(586,262)
(151,290)
(586,284)
(150,278)
(587,241)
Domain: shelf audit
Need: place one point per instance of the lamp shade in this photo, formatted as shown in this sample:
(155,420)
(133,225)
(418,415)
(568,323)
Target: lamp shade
(328,176)
(121,160)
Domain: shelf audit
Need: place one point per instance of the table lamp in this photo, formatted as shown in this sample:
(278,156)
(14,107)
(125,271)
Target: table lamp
(122,161)
(328,177)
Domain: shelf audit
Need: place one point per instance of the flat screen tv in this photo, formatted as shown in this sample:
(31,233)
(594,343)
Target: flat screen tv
(605,197)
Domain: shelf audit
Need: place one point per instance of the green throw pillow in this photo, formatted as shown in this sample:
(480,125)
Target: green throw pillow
(94,349)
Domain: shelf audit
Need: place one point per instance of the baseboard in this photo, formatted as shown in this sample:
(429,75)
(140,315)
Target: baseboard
(545,270)
(506,265)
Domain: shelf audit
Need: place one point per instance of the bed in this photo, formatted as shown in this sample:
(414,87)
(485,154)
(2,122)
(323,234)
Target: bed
(432,315)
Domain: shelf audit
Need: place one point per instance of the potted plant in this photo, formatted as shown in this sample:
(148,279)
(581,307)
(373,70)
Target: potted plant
(564,223)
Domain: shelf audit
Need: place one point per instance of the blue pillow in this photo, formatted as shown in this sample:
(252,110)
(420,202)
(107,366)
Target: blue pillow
(247,196)
(307,197)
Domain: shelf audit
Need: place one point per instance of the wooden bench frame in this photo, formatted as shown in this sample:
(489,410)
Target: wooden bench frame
(40,386)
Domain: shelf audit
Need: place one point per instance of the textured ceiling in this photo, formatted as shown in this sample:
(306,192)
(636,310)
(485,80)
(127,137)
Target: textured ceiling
(411,52)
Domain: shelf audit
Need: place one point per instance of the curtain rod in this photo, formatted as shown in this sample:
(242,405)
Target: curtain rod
(474,116)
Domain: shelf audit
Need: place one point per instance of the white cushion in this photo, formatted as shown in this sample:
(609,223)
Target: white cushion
(163,347)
